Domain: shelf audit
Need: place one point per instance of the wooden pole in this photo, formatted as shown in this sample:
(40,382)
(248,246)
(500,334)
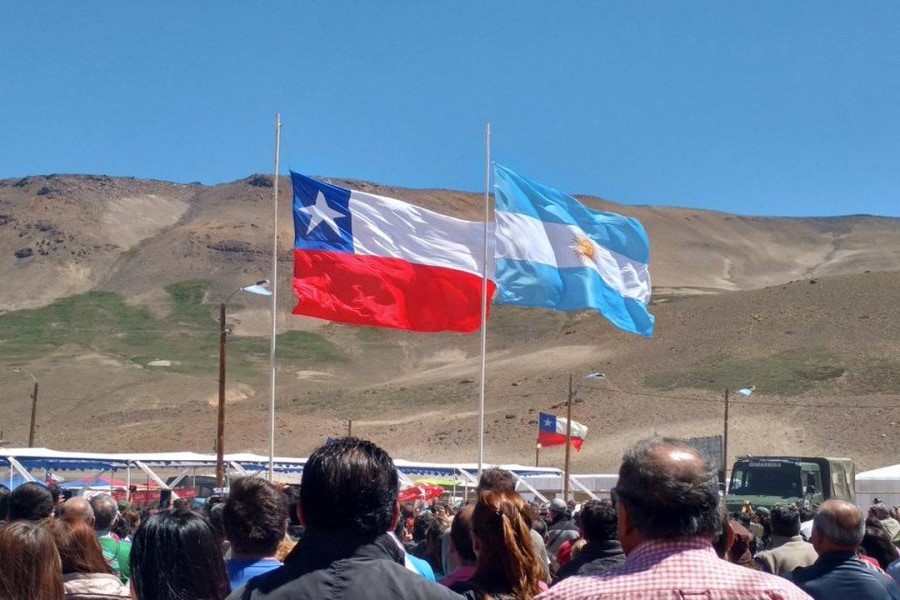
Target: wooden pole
(725,445)
(568,440)
(220,420)
(34,397)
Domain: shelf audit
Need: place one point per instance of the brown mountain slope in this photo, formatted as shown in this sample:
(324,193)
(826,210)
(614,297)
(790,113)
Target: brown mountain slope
(787,305)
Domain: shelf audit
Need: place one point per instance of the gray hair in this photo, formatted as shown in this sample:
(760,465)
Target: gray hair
(106,510)
(838,530)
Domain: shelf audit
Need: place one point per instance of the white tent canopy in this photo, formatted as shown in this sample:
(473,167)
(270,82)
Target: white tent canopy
(532,481)
(882,483)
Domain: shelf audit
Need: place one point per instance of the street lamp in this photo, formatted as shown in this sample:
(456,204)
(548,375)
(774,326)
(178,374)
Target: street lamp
(34,397)
(260,288)
(594,375)
(746,392)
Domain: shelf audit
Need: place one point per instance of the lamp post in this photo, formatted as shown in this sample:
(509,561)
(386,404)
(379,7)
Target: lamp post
(746,392)
(34,398)
(259,288)
(571,396)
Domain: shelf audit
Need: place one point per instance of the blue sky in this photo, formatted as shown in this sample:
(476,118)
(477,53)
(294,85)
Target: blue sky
(762,108)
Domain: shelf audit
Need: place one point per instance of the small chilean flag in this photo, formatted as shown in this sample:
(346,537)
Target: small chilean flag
(552,431)
(364,259)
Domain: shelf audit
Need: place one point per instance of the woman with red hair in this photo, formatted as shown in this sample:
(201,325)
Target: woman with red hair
(86,574)
(507,565)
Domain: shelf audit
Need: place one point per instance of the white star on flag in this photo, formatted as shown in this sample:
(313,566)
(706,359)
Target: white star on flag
(320,212)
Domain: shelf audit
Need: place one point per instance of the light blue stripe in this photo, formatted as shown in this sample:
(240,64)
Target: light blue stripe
(623,235)
(542,286)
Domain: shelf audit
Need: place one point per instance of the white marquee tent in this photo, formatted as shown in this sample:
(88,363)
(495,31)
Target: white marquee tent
(883,483)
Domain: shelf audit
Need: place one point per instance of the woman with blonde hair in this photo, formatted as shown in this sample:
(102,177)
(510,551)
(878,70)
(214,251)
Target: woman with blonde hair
(507,565)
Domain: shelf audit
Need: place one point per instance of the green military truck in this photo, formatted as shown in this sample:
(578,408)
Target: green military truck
(770,480)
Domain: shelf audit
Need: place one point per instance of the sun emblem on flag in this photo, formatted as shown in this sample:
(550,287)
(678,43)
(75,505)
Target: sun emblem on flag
(585,248)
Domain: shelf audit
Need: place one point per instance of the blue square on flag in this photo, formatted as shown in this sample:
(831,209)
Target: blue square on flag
(321,216)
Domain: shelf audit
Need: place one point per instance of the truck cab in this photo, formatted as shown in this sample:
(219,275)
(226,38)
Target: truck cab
(770,480)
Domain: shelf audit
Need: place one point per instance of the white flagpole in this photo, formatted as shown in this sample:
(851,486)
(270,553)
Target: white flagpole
(274,301)
(484,294)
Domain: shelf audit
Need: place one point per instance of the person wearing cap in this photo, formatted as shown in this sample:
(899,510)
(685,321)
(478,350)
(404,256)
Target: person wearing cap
(561,528)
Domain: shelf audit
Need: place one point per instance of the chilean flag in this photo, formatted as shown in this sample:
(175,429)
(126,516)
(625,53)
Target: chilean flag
(552,431)
(363,259)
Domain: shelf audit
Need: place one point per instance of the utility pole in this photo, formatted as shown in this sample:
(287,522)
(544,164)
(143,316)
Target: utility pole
(34,396)
(537,454)
(34,399)
(725,445)
(220,421)
(568,440)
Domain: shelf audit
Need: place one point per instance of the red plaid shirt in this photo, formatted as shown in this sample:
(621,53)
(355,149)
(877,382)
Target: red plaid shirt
(676,570)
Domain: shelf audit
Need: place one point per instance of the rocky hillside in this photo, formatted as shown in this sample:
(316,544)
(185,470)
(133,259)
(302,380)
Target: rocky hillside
(110,294)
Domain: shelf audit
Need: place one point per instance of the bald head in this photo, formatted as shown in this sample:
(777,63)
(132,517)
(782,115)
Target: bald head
(77,509)
(669,490)
(839,526)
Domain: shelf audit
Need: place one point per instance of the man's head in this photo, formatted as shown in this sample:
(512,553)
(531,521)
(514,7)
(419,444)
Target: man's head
(255,517)
(106,511)
(666,490)
(598,521)
(77,509)
(806,513)
(420,525)
(349,486)
(30,502)
(557,510)
(785,520)
(879,511)
(838,526)
(496,479)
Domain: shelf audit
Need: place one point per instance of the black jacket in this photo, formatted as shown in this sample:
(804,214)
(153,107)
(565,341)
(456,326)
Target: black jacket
(336,568)
(593,559)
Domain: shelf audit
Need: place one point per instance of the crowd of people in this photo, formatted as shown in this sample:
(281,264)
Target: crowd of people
(663,533)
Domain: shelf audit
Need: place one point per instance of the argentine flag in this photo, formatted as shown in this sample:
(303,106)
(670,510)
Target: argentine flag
(553,252)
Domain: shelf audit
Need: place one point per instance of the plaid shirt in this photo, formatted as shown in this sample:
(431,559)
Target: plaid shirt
(676,570)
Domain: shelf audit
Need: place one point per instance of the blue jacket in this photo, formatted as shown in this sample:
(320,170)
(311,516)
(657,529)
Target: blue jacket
(841,575)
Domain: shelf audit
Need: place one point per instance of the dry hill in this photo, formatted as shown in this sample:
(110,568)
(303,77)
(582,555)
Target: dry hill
(105,276)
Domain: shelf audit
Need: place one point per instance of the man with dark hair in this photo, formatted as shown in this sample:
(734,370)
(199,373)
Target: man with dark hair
(838,529)
(30,501)
(789,550)
(598,524)
(255,519)
(348,504)
(667,502)
(116,552)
